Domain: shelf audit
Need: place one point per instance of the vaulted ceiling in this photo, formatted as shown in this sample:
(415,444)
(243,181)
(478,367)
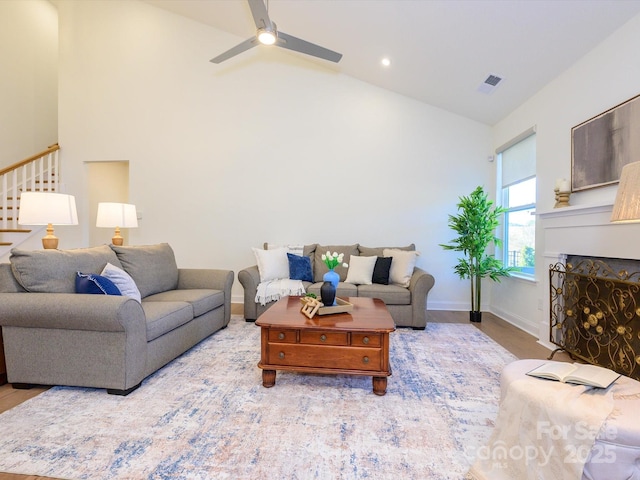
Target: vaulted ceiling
(441,51)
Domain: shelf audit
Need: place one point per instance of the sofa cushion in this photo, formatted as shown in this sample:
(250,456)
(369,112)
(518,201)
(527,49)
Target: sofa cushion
(272,264)
(202,300)
(381,270)
(152,267)
(54,271)
(344,289)
(361,270)
(300,268)
(389,294)
(402,266)
(8,282)
(379,251)
(320,268)
(122,280)
(310,250)
(95,285)
(162,317)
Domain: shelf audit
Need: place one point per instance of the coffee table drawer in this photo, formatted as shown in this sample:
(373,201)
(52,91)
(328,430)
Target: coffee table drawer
(344,358)
(282,335)
(324,338)
(365,339)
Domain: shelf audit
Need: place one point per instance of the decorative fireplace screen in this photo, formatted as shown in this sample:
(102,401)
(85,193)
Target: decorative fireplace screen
(595,314)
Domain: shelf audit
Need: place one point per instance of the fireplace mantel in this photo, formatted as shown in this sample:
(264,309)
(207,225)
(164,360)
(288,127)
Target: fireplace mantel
(587,230)
(574,210)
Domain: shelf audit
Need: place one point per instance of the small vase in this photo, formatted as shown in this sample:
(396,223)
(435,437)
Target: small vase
(333,277)
(328,294)
(475,317)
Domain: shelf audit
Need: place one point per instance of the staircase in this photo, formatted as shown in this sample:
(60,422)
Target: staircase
(38,173)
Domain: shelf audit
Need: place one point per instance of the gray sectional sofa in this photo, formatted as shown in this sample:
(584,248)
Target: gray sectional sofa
(407,304)
(55,336)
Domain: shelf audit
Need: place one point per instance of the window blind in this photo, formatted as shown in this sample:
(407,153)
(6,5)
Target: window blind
(519,160)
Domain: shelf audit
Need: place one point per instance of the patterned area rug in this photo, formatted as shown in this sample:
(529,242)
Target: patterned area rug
(207,416)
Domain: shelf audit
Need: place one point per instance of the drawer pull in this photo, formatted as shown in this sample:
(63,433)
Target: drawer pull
(365,340)
(281,355)
(323,337)
(281,336)
(365,359)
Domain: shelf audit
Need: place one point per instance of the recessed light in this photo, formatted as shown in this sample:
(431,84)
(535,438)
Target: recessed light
(385,62)
(266,36)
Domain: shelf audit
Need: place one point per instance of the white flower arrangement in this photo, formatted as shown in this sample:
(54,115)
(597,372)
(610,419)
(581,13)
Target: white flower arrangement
(332,261)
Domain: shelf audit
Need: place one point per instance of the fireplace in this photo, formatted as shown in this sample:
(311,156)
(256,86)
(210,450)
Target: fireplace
(595,311)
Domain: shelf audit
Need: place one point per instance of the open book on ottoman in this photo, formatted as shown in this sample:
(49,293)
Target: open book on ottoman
(578,373)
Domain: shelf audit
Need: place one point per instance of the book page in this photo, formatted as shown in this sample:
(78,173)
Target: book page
(592,375)
(553,370)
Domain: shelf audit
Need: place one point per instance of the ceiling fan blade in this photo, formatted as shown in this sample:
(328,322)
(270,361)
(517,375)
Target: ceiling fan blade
(260,14)
(302,46)
(241,47)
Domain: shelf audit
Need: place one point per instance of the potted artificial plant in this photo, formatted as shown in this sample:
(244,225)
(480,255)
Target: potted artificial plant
(476,226)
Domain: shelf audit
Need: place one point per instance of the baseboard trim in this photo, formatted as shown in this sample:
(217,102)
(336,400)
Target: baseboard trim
(517,321)
(450,306)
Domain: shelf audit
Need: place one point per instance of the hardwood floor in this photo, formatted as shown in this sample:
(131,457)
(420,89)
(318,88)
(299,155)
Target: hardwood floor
(519,343)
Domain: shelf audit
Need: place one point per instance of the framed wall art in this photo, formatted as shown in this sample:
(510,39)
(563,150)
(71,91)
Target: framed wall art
(602,145)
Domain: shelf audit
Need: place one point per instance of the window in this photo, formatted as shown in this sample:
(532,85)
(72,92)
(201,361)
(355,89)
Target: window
(518,166)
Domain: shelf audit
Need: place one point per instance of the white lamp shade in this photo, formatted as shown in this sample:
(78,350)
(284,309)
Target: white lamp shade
(42,208)
(627,206)
(113,215)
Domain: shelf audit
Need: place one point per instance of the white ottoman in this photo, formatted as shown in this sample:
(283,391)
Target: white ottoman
(616,452)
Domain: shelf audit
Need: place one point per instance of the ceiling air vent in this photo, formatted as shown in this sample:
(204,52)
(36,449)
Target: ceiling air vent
(490,84)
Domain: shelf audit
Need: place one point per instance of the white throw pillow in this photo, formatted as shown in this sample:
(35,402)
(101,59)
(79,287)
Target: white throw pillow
(402,266)
(360,270)
(122,280)
(272,264)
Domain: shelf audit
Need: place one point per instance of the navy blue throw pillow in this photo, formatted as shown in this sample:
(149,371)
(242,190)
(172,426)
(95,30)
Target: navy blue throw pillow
(381,270)
(95,284)
(300,268)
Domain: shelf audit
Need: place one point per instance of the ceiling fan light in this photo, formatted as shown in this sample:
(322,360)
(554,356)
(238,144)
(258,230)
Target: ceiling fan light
(266,37)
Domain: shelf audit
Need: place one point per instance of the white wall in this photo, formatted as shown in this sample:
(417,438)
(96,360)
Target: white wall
(106,182)
(28,83)
(268,147)
(605,77)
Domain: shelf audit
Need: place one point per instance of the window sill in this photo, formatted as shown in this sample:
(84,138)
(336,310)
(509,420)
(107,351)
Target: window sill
(523,277)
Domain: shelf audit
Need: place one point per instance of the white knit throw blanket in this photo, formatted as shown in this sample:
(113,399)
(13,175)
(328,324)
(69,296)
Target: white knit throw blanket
(544,430)
(273,290)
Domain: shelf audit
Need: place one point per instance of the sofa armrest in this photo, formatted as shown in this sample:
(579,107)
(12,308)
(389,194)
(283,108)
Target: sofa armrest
(250,279)
(192,278)
(73,339)
(421,283)
(70,311)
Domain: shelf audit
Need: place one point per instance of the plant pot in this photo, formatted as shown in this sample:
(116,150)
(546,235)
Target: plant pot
(333,277)
(475,317)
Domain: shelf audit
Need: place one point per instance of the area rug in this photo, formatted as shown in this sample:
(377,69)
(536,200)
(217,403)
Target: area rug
(206,415)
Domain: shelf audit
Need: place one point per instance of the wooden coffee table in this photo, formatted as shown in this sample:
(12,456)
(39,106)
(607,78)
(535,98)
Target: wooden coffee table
(355,343)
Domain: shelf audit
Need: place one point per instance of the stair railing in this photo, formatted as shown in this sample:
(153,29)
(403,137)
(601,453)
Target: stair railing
(38,173)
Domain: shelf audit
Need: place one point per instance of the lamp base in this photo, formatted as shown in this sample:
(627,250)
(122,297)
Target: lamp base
(117,238)
(50,241)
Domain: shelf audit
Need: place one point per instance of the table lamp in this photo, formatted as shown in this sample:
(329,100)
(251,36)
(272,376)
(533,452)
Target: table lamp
(47,208)
(116,215)
(626,209)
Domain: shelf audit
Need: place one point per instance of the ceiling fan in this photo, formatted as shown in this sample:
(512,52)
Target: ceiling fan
(268,34)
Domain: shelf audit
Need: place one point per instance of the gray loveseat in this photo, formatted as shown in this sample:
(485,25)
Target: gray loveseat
(407,305)
(54,336)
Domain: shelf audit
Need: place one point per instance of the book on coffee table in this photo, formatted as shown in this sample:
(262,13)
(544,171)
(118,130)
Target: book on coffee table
(576,373)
